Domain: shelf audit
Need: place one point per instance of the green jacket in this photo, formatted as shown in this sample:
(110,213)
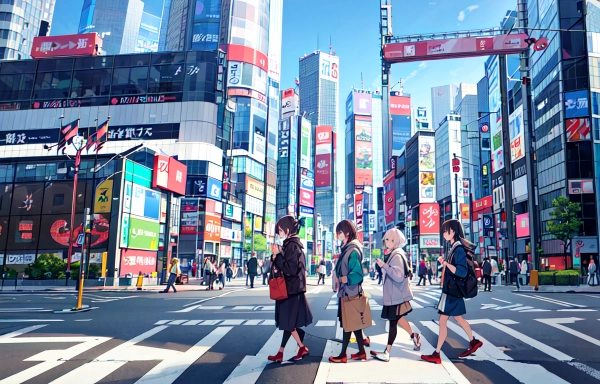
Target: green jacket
(349,265)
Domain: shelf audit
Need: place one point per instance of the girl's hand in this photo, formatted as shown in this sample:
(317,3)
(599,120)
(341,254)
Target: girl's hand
(441,260)
(344,279)
(379,262)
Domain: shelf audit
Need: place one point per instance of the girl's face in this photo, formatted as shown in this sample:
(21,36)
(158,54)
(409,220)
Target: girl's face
(283,234)
(341,237)
(449,235)
(389,244)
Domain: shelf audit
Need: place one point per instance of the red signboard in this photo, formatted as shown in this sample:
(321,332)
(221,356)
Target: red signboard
(358,212)
(400,105)
(247,55)
(324,134)
(212,228)
(169,174)
(523,225)
(323,173)
(429,219)
(307,197)
(247,93)
(65,45)
(134,261)
(455,48)
(390,199)
(482,204)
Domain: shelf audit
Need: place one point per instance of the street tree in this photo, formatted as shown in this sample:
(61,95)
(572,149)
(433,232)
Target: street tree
(565,223)
(260,242)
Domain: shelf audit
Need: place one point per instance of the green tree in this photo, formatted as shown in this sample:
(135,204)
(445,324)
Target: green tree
(376,253)
(46,266)
(565,223)
(260,242)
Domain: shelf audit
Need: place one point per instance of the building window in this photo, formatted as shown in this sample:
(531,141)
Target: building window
(130,81)
(52,85)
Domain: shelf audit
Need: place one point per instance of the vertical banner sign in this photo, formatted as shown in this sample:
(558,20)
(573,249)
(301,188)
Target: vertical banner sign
(305,143)
(323,154)
(329,67)
(400,113)
(358,209)
(427,169)
(363,163)
(429,219)
(390,200)
(517,135)
(496,123)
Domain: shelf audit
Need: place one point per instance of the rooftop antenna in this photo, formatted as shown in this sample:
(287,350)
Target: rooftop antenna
(317,41)
(362,82)
(330,44)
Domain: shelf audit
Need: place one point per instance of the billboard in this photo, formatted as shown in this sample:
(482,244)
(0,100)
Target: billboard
(390,198)
(429,219)
(289,103)
(492,73)
(399,105)
(307,187)
(522,225)
(401,120)
(517,135)
(362,103)
(363,152)
(248,55)
(578,130)
(329,67)
(169,174)
(103,199)
(576,104)
(255,188)
(305,143)
(427,169)
(358,210)
(143,234)
(323,158)
(455,48)
(65,45)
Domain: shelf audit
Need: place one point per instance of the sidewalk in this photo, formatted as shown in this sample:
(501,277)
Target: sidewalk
(561,289)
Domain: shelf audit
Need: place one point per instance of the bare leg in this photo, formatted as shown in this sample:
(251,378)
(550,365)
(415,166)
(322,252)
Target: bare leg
(297,338)
(443,332)
(405,325)
(464,325)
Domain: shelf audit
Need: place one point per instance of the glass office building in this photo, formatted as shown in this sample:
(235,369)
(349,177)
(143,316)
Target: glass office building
(20,22)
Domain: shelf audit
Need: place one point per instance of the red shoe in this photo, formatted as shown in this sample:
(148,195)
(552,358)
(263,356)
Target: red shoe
(359,356)
(339,359)
(303,351)
(433,358)
(367,342)
(474,345)
(278,358)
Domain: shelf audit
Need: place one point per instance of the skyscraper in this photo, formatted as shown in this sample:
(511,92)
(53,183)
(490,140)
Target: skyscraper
(442,103)
(116,21)
(15,37)
(192,24)
(319,103)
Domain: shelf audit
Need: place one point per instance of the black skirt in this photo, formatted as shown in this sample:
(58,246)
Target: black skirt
(391,312)
(292,312)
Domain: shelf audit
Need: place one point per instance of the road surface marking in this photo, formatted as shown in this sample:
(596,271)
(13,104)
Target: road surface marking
(177,322)
(514,306)
(523,372)
(430,296)
(503,301)
(325,323)
(251,367)
(594,296)
(562,303)
(557,323)
(488,306)
(522,308)
(243,308)
(168,370)
(416,305)
(21,331)
(536,310)
(30,320)
(508,322)
(252,322)
(232,322)
(205,300)
(577,310)
(268,322)
(421,300)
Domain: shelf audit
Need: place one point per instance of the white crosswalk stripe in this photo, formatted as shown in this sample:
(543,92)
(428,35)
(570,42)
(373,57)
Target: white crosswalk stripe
(405,365)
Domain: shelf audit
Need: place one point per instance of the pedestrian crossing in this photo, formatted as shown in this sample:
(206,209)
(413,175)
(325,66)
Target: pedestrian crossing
(530,357)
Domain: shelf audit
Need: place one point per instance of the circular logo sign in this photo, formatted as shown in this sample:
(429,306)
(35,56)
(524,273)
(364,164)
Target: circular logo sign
(487,221)
(485,128)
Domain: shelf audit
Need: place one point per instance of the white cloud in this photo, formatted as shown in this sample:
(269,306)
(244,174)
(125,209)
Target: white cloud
(462,14)
(414,73)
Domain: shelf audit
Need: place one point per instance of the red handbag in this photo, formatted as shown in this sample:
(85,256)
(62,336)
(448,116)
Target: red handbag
(277,288)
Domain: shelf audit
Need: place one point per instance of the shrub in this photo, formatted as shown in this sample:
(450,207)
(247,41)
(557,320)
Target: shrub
(564,277)
(46,266)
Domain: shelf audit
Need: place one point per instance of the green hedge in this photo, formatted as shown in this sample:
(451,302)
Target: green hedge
(564,277)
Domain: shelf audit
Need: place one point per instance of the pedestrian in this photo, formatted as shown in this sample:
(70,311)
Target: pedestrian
(293,313)
(221,274)
(529,269)
(495,269)
(487,275)
(266,269)
(174,272)
(513,269)
(252,268)
(379,271)
(229,273)
(206,266)
(524,272)
(592,273)
(429,273)
(396,292)
(194,268)
(457,264)
(422,272)
(349,272)
(322,271)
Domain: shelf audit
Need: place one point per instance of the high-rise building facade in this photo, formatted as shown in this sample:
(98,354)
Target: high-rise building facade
(118,22)
(442,103)
(20,22)
(319,103)
(192,24)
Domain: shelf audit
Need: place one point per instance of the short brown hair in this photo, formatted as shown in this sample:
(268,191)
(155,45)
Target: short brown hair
(288,223)
(348,228)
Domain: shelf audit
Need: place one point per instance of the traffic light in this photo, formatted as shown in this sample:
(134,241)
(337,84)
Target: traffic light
(525,80)
(455,165)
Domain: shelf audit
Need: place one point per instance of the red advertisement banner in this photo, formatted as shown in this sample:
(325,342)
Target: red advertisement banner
(429,219)
(323,174)
(247,55)
(65,45)
(400,105)
(134,261)
(307,198)
(324,134)
(389,204)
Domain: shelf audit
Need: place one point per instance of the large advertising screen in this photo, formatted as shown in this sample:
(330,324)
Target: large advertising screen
(390,199)
(305,143)
(495,122)
(307,186)
(323,159)
(517,135)
(363,163)
(429,219)
(427,169)
(329,67)
(400,112)
(362,103)
(207,14)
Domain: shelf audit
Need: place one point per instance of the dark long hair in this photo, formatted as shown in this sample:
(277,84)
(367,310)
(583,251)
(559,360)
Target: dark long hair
(289,223)
(348,228)
(459,235)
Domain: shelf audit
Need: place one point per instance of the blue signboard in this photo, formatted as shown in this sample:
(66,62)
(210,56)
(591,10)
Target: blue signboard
(400,131)
(306,210)
(214,189)
(576,104)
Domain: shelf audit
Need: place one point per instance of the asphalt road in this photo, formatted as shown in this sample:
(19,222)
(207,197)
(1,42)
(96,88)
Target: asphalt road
(225,336)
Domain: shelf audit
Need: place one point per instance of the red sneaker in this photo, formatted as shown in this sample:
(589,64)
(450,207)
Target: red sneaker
(433,358)
(339,359)
(303,351)
(278,358)
(359,356)
(474,345)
